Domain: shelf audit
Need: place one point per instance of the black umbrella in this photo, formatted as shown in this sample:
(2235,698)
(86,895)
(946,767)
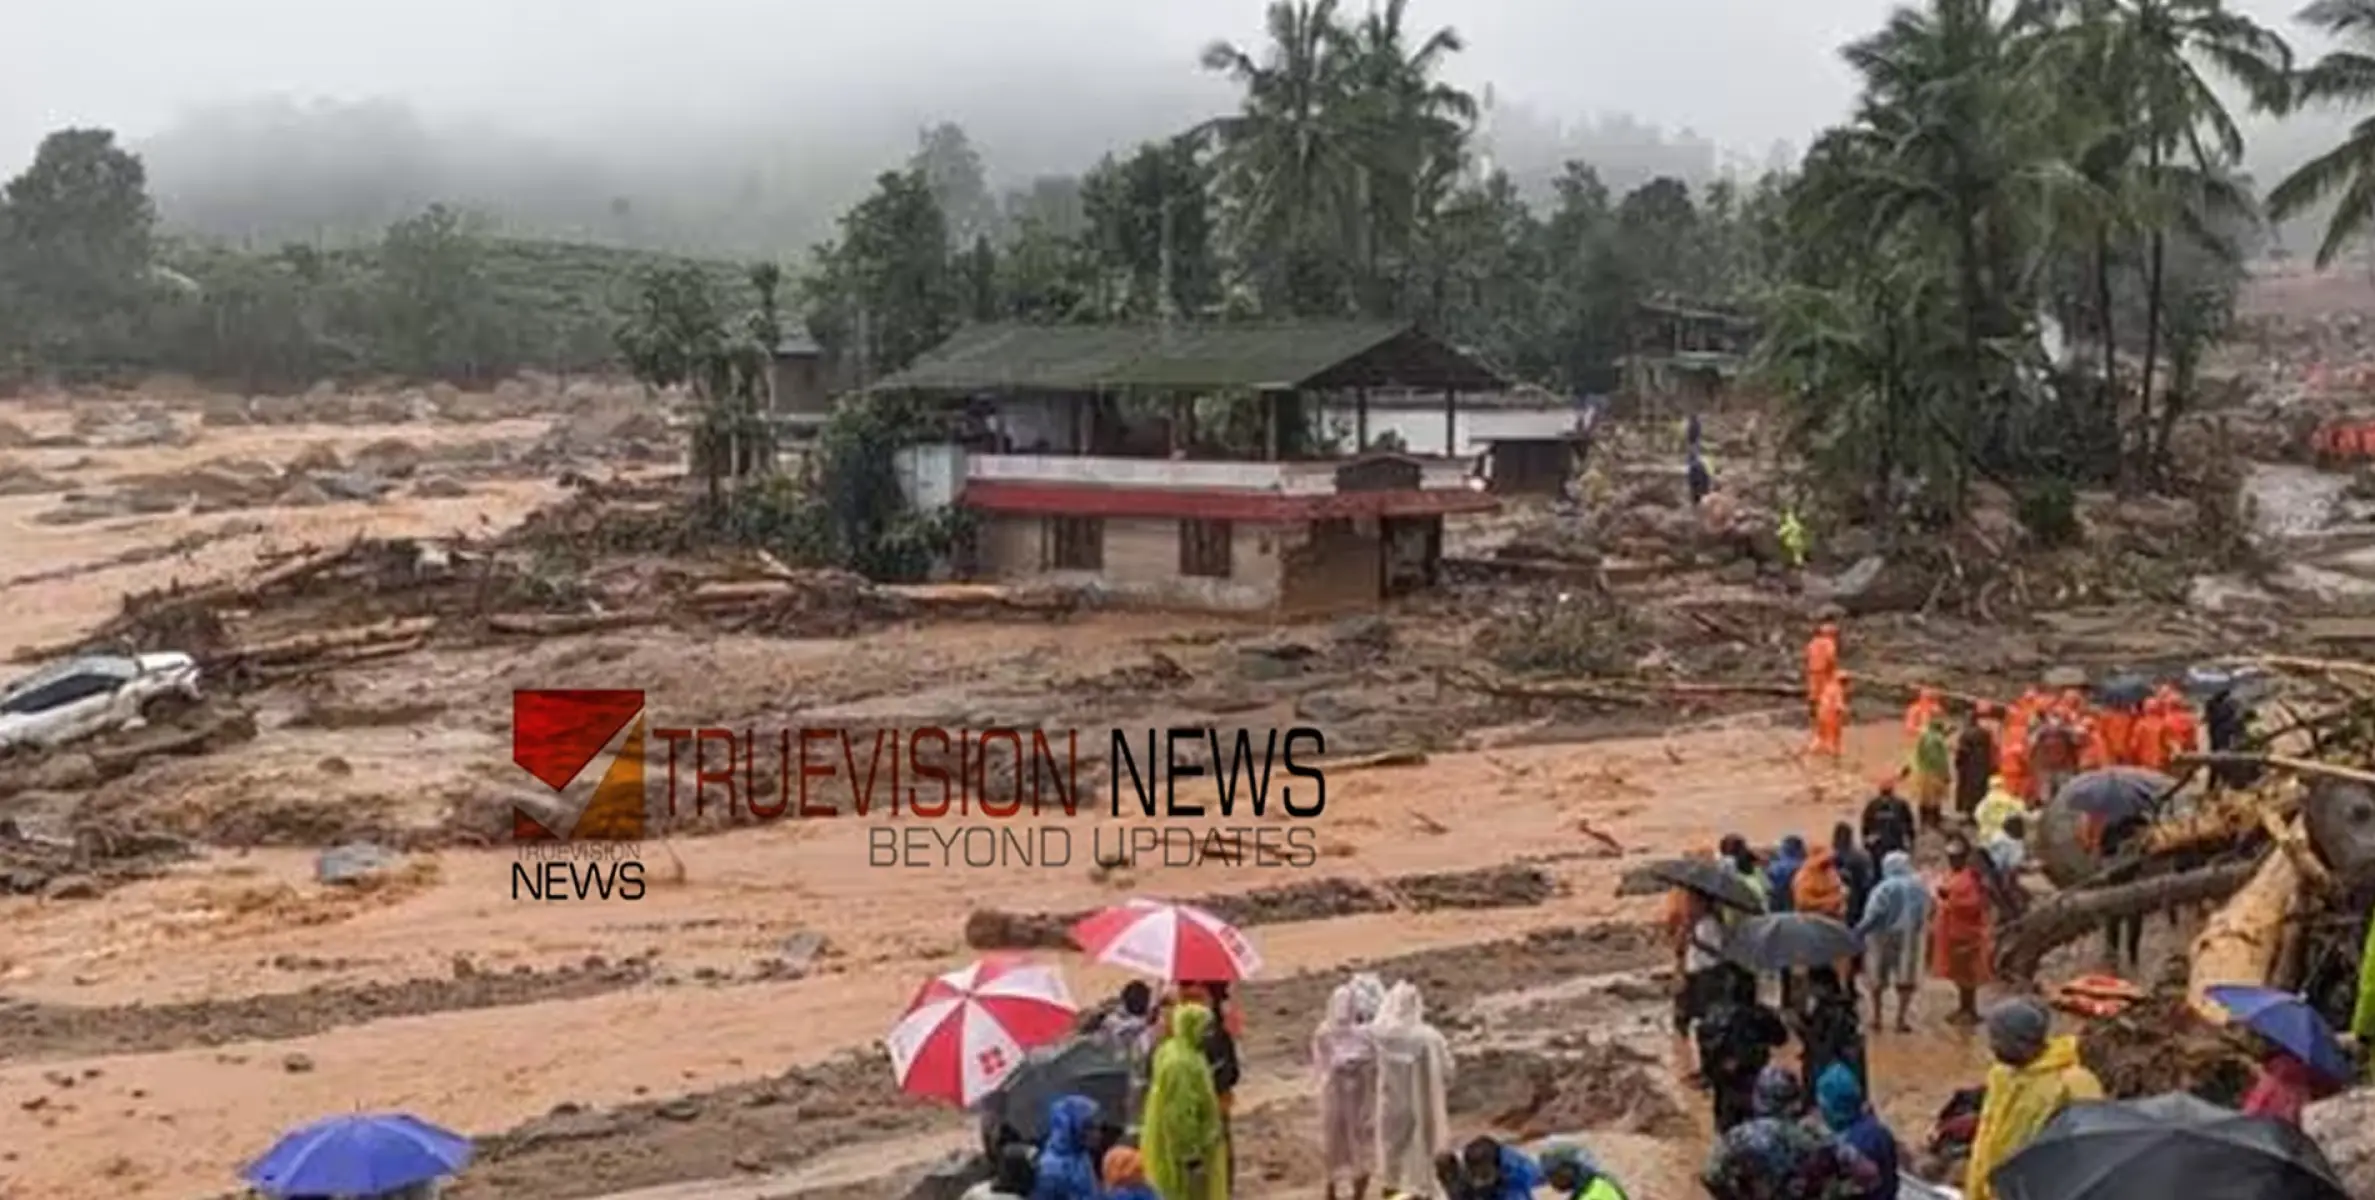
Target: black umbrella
(1082,1066)
(2114,793)
(2162,1147)
(1790,941)
(1715,880)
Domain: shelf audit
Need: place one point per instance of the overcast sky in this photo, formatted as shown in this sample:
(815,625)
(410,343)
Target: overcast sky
(1743,72)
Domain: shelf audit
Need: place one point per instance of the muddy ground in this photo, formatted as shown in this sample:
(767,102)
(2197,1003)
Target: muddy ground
(778,1124)
(175,958)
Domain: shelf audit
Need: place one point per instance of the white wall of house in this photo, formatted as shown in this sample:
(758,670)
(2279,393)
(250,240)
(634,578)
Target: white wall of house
(1422,429)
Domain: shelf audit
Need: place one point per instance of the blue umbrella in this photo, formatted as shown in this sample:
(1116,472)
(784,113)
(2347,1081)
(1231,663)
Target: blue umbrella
(2287,1020)
(359,1155)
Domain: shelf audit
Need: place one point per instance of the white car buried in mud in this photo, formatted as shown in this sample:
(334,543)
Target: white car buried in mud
(93,694)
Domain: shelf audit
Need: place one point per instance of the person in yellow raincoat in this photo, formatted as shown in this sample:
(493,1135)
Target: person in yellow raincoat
(2035,1076)
(1994,808)
(1792,534)
(1180,1134)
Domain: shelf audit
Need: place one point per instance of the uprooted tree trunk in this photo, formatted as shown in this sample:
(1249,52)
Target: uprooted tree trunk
(2069,916)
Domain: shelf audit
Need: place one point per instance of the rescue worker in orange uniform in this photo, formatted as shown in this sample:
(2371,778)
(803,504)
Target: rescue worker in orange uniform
(1830,718)
(1926,707)
(1822,664)
(2012,749)
(2148,739)
(2115,728)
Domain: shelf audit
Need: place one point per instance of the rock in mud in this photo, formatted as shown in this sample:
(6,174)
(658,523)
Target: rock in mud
(2344,1127)
(1496,887)
(352,863)
(1600,1086)
(297,1064)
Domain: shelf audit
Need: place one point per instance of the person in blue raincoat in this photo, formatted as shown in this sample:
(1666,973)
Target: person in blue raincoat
(1840,1099)
(1782,873)
(1068,1164)
(1492,1171)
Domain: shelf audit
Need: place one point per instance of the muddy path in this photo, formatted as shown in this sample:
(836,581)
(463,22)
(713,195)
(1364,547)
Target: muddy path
(780,1123)
(38,1032)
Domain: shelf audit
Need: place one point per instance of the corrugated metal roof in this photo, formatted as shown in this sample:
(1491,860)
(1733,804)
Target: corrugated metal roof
(1088,358)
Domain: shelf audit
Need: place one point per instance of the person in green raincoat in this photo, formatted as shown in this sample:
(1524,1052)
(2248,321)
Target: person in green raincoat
(1180,1135)
(1792,533)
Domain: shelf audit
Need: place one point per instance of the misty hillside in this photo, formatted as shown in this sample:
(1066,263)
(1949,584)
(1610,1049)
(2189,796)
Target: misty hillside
(329,173)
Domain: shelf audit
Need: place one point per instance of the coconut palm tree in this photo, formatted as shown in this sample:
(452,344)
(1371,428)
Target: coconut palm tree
(2345,76)
(2162,48)
(1413,132)
(1288,156)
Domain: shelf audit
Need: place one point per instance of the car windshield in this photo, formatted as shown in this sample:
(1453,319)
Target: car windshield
(112,666)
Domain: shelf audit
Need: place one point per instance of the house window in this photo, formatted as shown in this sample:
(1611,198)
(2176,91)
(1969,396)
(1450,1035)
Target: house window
(1076,543)
(1204,548)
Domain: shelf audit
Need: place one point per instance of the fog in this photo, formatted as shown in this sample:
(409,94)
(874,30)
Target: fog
(742,126)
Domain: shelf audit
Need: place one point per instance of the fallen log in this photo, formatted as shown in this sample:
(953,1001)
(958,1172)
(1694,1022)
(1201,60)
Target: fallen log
(715,595)
(1363,762)
(1618,691)
(2280,762)
(2244,937)
(556,624)
(316,645)
(2068,916)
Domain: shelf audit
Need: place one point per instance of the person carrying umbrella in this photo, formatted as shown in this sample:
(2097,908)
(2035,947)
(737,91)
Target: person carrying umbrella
(1734,849)
(1893,928)
(1961,933)
(1829,1029)
(1068,1160)
(1181,1134)
(1013,1177)
(2035,1076)
(2302,1060)
(1737,1038)
(1839,1097)
(1344,1057)
(1413,1075)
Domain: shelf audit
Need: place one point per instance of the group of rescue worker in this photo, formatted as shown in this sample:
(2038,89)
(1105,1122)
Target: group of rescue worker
(2027,748)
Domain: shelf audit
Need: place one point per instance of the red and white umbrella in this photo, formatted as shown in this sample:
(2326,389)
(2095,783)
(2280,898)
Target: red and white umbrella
(967,1030)
(1168,941)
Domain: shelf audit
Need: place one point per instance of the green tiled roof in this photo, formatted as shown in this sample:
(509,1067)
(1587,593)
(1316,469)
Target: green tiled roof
(1092,358)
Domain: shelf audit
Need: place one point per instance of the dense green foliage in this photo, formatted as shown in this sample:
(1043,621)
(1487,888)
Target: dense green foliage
(2009,168)
(2006,264)
(88,290)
